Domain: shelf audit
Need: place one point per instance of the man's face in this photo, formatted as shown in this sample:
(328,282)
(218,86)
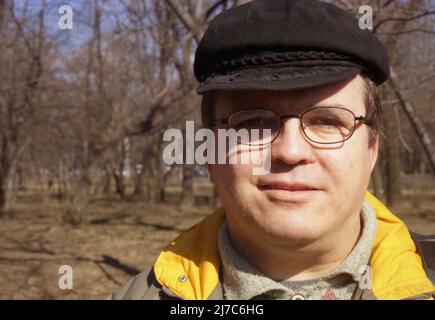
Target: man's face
(312,190)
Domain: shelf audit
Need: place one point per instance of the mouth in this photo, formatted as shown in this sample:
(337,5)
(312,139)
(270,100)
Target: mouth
(288,191)
(293,187)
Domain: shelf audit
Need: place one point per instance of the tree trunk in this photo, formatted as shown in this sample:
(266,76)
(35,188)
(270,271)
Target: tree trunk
(4,172)
(5,176)
(187,197)
(119,180)
(3,196)
(61,185)
(138,184)
(158,192)
(107,188)
(417,125)
(392,152)
(118,174)
(138,188)
(78,200)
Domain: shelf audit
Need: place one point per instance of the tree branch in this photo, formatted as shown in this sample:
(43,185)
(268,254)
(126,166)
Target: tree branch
(418,126)
(190,24)
(407,31)
(403,19)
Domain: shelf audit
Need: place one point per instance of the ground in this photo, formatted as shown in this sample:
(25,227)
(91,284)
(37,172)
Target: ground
(119,239)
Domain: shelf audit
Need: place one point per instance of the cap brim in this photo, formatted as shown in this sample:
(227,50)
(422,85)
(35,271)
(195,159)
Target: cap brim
(279,78)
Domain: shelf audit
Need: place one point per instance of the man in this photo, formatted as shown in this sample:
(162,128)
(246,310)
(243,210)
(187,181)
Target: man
(307,229)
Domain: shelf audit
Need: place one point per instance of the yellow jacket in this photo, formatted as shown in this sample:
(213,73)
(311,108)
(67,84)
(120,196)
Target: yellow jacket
(188,267)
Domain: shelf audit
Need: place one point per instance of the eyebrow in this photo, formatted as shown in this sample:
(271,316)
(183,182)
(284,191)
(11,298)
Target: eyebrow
(337,105)
(274,108)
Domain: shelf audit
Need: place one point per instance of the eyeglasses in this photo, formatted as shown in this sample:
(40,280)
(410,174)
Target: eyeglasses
(324,125)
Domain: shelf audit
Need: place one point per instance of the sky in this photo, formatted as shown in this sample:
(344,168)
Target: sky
(82,17)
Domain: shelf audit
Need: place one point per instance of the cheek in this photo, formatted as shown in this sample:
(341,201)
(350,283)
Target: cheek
(231,177)
(348,167)
(234,186)
(237,170)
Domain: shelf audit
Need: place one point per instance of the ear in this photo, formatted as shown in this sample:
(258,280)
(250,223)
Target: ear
(374,152)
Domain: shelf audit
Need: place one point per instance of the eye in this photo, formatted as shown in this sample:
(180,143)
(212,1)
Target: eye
(324,121)
(254,123)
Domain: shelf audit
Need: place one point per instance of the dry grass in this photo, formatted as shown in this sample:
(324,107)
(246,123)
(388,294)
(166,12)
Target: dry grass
(35,242)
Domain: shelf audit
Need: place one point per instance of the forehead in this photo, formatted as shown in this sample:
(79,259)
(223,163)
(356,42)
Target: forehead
(349,94)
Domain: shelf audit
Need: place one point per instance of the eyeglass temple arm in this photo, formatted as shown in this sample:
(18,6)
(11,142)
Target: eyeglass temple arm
(363,119)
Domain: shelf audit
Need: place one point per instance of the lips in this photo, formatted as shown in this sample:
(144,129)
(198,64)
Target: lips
(287,186)
(289,192)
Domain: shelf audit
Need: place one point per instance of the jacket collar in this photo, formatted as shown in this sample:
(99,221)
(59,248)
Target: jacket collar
(190,265)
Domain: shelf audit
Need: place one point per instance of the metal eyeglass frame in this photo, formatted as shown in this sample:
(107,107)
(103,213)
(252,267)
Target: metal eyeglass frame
(363,119)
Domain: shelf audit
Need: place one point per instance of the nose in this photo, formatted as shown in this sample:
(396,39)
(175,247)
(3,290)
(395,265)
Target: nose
(291,145)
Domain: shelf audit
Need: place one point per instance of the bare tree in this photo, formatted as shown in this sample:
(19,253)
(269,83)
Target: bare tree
(22,70)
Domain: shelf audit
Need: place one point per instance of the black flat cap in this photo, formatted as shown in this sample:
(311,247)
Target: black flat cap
(286,44)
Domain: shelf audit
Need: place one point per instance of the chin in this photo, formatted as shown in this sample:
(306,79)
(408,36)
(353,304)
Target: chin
(293,222)
(296,237)
(297,210)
